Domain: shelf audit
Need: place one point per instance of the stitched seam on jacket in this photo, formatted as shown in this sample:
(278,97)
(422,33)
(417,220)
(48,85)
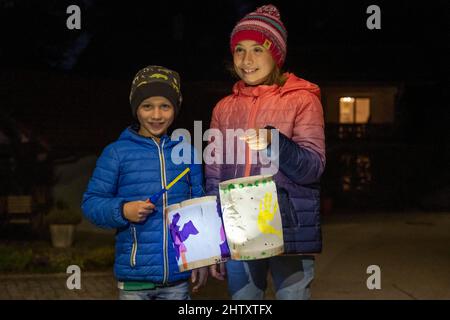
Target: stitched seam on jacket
(103,181)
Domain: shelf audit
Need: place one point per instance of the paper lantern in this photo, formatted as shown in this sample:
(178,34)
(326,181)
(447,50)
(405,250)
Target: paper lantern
(251,217)
(197,233)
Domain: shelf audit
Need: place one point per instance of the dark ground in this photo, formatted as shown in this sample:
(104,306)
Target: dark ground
(411,249)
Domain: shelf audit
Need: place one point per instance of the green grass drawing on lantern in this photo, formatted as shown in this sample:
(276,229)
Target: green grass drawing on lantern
(232,186)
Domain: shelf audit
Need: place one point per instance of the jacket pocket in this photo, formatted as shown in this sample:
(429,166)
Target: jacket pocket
(134,247)
(288,215)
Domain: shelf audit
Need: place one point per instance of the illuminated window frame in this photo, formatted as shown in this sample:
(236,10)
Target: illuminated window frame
(354,110)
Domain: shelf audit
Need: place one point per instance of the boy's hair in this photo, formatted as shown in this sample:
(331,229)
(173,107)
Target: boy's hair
(154,81)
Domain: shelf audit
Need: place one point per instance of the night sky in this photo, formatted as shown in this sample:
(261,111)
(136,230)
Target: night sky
(327,40)
(72,86)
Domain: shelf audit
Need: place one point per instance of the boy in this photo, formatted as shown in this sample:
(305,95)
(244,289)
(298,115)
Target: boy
(128,172)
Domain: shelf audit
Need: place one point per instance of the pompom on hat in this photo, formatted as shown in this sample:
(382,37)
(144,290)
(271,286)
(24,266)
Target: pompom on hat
(265,27)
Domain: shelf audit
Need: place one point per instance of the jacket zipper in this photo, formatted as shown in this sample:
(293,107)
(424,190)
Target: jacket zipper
(251,124)
(165,201)
(134,248)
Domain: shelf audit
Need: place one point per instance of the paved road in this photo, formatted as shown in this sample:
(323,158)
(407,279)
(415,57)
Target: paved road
(412,251)
(53,286)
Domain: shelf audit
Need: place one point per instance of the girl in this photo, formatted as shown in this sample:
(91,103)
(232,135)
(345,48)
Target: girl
(265,97)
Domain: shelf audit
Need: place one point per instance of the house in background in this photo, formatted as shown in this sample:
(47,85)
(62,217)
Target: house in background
(351,109)
(360,137)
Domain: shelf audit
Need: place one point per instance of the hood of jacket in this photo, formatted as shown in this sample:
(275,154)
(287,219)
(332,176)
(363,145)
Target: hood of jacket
(293,83)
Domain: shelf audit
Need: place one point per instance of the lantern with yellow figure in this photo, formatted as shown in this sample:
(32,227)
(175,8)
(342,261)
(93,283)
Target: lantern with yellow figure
(251,217)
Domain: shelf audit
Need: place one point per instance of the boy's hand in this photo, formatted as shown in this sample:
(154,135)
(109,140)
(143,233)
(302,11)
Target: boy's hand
(218,271)
(137,211)
(199,277)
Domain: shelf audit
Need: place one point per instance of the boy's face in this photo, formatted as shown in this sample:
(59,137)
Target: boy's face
(155,115)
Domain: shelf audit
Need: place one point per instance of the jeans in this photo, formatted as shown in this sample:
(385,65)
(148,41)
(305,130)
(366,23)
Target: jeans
(291,275)
(177,292)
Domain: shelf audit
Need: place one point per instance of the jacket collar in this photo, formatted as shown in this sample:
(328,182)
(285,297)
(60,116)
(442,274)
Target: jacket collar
(293,83)
(131,133)
(241,89)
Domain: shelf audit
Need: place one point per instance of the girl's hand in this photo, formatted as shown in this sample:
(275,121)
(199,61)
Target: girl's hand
(198,278)
(137,211)
(259,139)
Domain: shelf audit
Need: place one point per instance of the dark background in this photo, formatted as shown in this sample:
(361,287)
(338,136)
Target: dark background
(70,87)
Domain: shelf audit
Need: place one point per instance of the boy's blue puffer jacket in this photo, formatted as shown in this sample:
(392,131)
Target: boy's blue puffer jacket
(134,168)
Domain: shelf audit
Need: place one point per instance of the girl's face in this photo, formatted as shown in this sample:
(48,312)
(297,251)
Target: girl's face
(253,63)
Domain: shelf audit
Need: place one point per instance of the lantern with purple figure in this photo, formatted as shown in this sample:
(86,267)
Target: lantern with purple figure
(197,232)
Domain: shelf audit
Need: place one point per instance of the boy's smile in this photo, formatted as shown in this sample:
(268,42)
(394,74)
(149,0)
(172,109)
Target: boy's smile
(155,115)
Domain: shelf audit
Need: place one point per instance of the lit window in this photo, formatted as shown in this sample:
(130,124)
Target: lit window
(346,110)
(354,110)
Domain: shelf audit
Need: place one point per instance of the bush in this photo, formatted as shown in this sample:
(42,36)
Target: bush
(12,259)
(99,258)
(60,260)
(16,258)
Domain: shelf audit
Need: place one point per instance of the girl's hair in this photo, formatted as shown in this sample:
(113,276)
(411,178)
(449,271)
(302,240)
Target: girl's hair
(277,75)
